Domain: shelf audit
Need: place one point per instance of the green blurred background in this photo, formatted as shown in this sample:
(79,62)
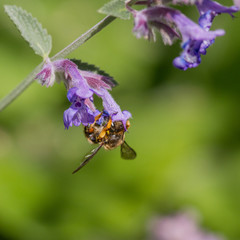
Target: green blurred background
(185,129)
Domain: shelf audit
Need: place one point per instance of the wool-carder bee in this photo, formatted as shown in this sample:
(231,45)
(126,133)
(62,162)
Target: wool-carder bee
(108,134)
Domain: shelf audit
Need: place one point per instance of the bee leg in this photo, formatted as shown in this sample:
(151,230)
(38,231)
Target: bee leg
(102,134)
(105,130)
(98,116)
(90,130)
(108,124)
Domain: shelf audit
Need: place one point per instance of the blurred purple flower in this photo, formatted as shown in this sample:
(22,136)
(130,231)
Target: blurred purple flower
(194,42)
(163,19)
(146,20)
(208,11)
(181,226)
(168,21)
(214,8)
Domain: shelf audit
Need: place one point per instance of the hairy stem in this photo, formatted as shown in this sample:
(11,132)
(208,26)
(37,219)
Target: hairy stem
(63,53)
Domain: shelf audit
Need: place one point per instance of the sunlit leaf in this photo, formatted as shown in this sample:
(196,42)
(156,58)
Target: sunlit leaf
(31,30)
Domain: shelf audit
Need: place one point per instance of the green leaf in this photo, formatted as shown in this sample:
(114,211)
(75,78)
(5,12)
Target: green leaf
(92,68)
(115,8)
(31,30)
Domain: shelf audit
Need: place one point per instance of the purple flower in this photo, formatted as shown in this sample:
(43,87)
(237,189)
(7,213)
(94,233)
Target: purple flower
(195,41)
(68,72)
(190,57)
(81,86)
(208,7)
(47,75)
(141,26)
(168,21)
(73,78)
(192,34)
(168,17)
(83,110)
(208,11)
(97,82)
(78,112)
(113,108)
(145,21)
(194,38)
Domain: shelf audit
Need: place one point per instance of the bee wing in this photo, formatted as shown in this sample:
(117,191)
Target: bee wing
(127,152)
(88,157)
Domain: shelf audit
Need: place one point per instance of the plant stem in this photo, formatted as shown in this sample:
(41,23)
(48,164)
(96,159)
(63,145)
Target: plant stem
(63,53)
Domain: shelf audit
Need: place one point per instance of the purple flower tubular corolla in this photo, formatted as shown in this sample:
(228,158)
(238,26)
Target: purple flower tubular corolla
(193,37)
(169,35)
(81,86)
(195,40)
(208,11)
(113,108)
(169,16)
(141,27)
(96,82)
(192,34)
(73,77)
(215,8)
(144,22)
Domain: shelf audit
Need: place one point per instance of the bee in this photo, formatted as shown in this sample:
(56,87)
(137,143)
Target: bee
(109,135)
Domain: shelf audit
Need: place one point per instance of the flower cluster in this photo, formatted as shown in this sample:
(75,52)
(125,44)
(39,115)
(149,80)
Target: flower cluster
(172,24)
(81,86)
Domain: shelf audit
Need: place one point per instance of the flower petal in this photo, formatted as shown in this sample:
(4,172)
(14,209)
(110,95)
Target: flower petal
(209,10)
(68,116)
(73,77)
(113,108)
(97,81)
(79,112)
(47,75)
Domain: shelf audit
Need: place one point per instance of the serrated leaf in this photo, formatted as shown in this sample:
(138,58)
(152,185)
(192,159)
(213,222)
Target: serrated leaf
(92,68)
(31,30)
(115,8)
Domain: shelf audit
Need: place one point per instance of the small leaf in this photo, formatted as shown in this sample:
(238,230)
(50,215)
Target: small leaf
(115,8)
(31,30)
(92,68)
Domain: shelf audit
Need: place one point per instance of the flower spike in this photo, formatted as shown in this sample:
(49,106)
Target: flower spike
(81,86)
